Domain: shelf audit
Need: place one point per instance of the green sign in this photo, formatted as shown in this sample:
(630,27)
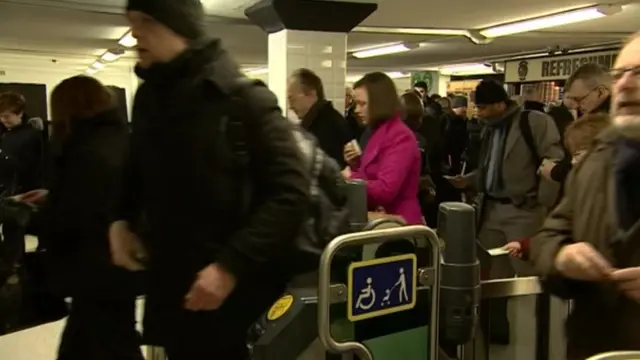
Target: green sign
(429,77)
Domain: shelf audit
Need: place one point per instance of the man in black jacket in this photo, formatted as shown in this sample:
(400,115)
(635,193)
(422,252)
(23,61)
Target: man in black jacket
(214,265)
(306,98)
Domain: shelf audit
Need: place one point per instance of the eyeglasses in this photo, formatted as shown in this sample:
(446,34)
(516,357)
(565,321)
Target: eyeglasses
(617,74)
(580,99)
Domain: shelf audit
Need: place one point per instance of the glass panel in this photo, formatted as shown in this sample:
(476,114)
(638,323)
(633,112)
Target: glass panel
(508,327)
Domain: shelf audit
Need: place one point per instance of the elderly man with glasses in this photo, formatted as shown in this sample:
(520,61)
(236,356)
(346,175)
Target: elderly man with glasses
(588,90)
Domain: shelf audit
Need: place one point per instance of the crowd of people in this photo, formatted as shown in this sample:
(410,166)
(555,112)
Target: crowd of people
(214,222)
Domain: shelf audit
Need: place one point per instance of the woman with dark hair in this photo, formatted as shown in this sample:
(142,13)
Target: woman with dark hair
(391,163)
(89,141)
(413,112)
(412,109)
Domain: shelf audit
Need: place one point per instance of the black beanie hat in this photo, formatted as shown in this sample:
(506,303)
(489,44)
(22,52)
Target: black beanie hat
(490,92)
(184,17)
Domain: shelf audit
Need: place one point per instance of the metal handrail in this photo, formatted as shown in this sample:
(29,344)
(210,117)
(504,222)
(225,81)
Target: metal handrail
(617,355)
(511,287)
(364,238)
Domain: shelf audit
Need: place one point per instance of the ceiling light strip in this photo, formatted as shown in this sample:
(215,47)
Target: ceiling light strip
(128,41)
(480,68)
(544,22)
(410,31)
(382,50)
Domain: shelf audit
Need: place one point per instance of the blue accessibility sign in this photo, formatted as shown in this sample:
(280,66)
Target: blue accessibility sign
(382,286)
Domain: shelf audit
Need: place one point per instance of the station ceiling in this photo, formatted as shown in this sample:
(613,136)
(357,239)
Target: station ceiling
(74,32)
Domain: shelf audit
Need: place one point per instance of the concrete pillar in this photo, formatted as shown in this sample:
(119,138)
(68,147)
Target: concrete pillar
(312,35)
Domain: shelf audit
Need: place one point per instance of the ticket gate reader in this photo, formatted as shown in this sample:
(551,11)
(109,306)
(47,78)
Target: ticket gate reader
(363,278)
(292,336)
(289,329)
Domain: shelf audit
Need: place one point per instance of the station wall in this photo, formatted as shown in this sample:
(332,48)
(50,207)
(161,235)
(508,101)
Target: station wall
(122,79)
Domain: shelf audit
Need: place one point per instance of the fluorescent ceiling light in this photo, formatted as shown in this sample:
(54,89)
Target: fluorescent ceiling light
(353,78)
(128,40)
(397,74)
(257,71)
(392,74)
(467,68)
(111,55)
(91,71)
(544,22)
(380,51)
(413,31)
(98,65)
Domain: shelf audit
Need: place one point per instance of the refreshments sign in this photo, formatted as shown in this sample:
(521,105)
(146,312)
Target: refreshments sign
(554,67)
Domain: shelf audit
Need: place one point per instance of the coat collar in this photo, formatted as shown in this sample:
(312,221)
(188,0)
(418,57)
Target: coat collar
(377,136)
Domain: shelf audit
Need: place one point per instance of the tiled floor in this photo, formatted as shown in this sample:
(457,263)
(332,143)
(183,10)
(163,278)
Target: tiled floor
(38,343)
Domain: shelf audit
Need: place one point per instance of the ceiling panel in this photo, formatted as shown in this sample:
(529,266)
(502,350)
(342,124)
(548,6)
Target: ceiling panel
(461,50)
(464,13)
(78,29)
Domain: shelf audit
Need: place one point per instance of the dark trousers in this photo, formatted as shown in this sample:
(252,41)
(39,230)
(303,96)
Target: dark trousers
(100,329)
(206,335)
(202,350)
(12,247)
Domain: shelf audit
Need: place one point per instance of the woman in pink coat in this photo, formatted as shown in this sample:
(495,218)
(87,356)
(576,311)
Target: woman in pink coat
(390,163)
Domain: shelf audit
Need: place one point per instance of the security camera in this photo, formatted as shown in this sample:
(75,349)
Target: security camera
(551,50)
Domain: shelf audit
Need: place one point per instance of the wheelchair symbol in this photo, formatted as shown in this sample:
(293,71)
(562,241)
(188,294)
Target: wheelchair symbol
(366,294)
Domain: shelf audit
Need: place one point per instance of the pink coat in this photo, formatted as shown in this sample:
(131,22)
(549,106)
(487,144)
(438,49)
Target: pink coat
(390,165)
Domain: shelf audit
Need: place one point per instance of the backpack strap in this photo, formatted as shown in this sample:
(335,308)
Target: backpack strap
(234,127)
(234,131)
(527,135)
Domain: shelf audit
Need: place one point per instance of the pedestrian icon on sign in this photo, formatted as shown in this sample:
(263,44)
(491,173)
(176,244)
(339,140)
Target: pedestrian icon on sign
(401,286)
(395,277)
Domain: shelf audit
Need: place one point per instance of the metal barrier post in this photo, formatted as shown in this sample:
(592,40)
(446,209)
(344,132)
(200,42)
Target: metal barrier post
(364,238)
(543,320)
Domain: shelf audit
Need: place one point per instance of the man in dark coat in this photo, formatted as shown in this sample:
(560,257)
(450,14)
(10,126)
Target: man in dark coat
(317,115)
(216,259)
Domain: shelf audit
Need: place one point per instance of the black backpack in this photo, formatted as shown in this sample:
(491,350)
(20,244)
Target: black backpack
(329,216)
